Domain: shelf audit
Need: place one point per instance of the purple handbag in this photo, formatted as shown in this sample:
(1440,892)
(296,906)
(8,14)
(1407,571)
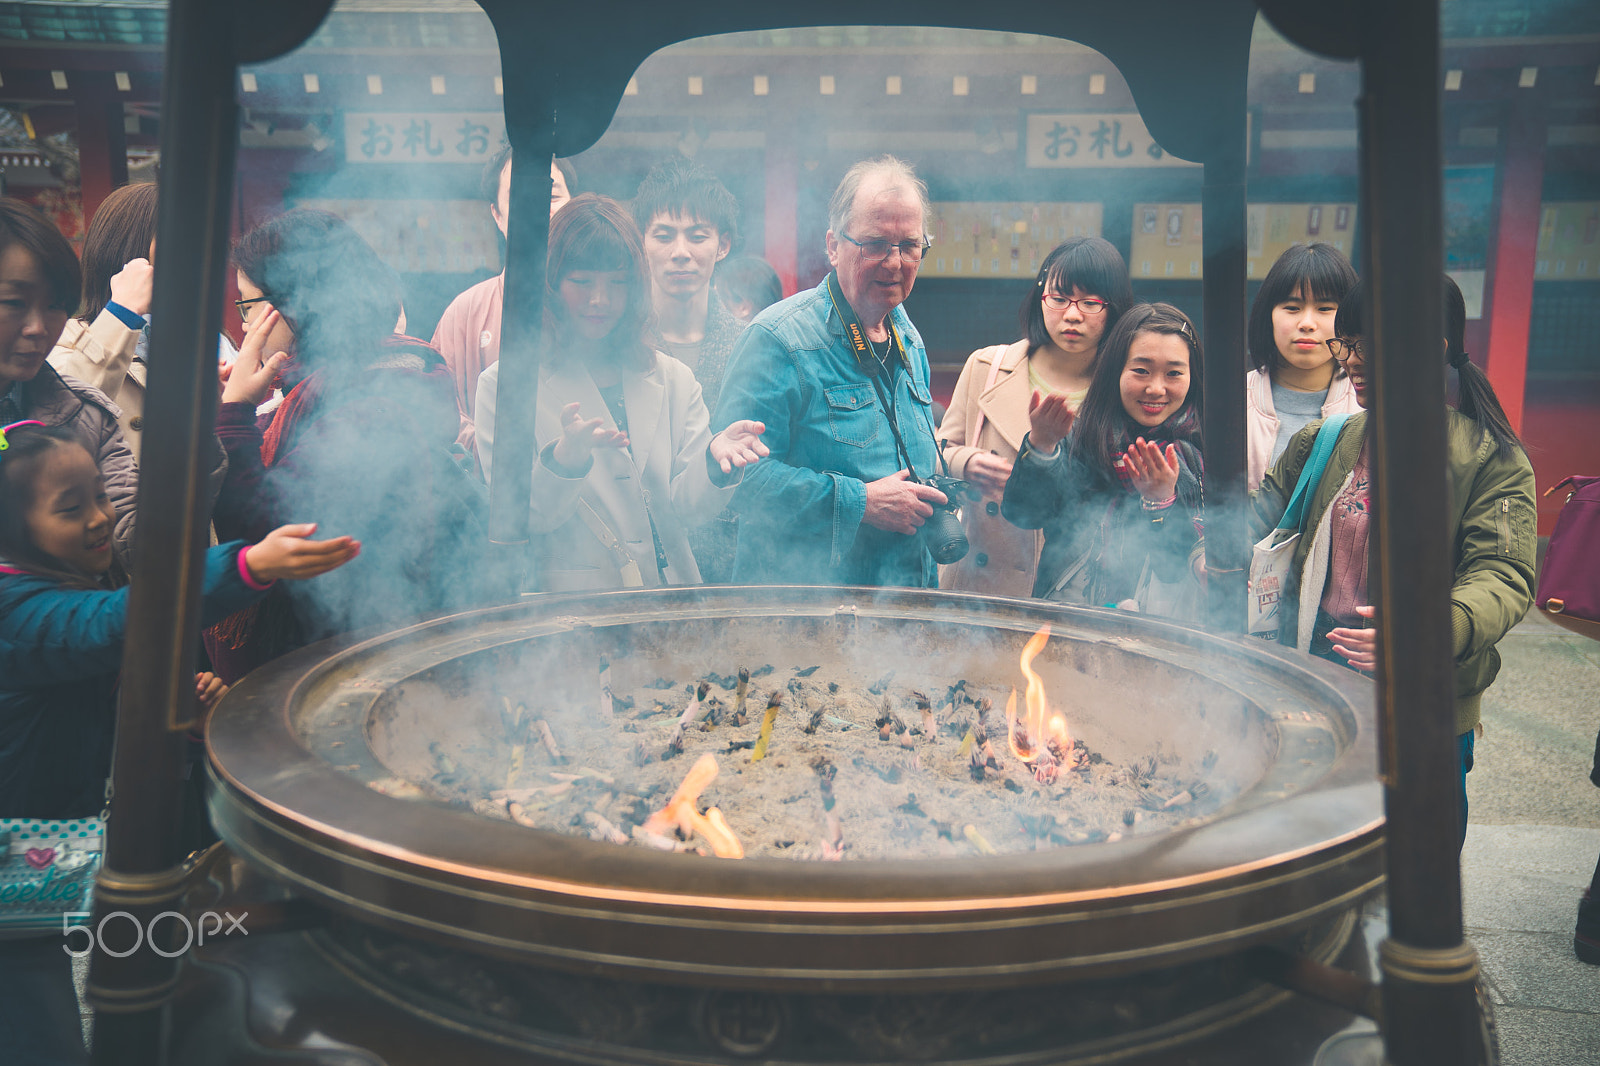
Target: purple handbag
(1569,584)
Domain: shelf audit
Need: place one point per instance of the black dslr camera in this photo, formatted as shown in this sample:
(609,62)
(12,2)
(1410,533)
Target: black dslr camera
(942,532)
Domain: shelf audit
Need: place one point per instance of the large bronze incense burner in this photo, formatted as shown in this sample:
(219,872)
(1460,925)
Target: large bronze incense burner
(1279,834)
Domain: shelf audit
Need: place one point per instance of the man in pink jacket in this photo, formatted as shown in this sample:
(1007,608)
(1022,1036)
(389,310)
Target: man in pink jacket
(468,334)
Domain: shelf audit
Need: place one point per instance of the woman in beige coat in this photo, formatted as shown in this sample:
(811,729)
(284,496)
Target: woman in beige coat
(626,461)
(103,345)
(100,344)
(1081,290)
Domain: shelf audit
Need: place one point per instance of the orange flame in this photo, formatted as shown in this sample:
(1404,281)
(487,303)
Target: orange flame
(682,812)
(1038,725)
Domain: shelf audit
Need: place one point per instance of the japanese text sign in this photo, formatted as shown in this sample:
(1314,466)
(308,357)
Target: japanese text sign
(410,137)
(1114,139)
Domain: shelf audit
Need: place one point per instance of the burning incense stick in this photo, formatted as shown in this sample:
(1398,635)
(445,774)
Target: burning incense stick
(606,701)
(511,717)
(956,694)
(814,718)
(976,744)
(520,816)
(774,701)
(831,846)
(490,808)
(815,721)
(657,841)
(604,829)
(549,739)
(930,725)
(978,840)
(1047,767)
(739,693)
(690,715)
(517,751)
(526,795)
(984,734)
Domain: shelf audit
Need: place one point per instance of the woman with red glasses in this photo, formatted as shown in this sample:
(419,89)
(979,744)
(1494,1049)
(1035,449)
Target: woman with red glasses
(1081,290)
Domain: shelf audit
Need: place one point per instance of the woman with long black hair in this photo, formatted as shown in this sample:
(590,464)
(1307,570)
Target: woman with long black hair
(1492,523)
(1116,489)
(1295,379)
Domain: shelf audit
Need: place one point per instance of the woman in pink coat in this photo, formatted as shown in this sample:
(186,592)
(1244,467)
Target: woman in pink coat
(1081,290)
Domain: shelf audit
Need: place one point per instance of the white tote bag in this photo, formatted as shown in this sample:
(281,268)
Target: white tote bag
(1272,559)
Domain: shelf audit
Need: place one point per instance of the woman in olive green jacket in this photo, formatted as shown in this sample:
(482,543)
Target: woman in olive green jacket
(1492,526)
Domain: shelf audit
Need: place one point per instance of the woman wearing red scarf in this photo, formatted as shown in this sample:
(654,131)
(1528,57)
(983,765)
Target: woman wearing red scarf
(360,443)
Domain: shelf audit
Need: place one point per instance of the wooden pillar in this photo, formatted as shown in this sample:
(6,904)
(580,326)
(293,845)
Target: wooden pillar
(102,142)
(1429,971)
(1516,247)
(1222,199)
(142,873)
(531,128)
(781,245)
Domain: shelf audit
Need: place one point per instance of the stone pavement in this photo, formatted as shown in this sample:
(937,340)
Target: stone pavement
(1532,842)
(1520,886)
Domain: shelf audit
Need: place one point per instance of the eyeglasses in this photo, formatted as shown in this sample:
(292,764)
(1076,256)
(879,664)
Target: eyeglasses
(245,305)
(877,251)
(1089,305)
(1348,347)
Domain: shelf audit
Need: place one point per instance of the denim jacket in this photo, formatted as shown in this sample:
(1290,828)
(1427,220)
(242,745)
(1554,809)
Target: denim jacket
(800,510)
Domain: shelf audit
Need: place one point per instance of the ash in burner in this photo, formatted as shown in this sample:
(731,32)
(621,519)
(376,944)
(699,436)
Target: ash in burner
(808,767)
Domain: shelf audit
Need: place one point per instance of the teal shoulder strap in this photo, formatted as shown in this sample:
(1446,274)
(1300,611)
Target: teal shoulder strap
(1311,473)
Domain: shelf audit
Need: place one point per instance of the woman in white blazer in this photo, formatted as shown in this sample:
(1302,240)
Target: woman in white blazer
(626,462)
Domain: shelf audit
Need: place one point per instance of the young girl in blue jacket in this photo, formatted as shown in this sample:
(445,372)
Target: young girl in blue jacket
(1116,488)
(63,613)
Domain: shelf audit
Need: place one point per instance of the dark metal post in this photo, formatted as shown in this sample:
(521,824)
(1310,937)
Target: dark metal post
(1428,970)
(142,874)
(1222,211)
(527,241)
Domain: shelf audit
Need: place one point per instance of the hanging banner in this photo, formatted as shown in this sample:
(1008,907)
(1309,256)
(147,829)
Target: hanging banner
(469,137)
(1166,237)
(422,236)
(1569,242)
(1112,139)
(1001,240)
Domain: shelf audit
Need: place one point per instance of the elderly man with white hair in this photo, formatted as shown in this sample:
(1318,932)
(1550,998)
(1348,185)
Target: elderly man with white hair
(839,376)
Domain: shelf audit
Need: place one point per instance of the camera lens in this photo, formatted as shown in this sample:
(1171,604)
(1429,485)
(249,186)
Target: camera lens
(946,540)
